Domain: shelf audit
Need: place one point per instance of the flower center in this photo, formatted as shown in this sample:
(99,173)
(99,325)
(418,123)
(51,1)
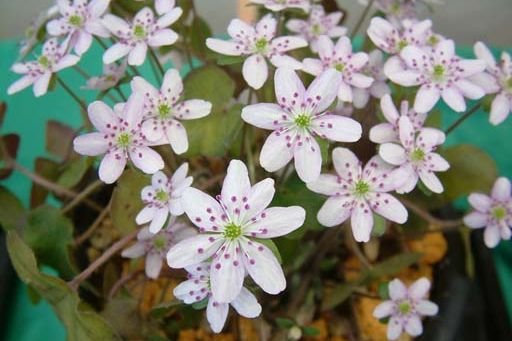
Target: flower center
(508,84)
(161,195)
(110,78)
(303,120)
(340,67)
(417,155)
(362,188)
(139,32)
(261,44)
(499,212)
(438,72)
(232,231)
(124,140)
(159,242)
(404,307)
(164,111)
(44,61)
(75,20)
(402,44)
(395,7)
(433,40)
(316,29)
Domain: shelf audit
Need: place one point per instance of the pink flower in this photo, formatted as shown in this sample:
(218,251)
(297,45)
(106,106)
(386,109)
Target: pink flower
(198,288)
(497,78)
(163,111)
(119,137)
(163,198)
(317,24)
(155,246)
(31,39)
(144,31)
(493,212)
(416,156)
(52,59)
(388,132)
(439,73)
(406,307)
(299,117)
(357,192)
(279,5)
(79,21)
(229,227)
(112,74)
(260,43)
(373,69)
(348,65)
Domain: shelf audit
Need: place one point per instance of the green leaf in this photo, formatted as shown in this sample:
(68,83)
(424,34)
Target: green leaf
(73,172)
(337,295)
(214,134)
(295,192)
(284,323)
(229,60)
(164,308)
(383,290)
(310,331)
(123,314)
(126,202)
(12,212)
(50,235)
(471,170)
(210,83)
(393,265)
(201,304)
(379,226)
(272,246)
(81,324)
(434,119)
(199,32)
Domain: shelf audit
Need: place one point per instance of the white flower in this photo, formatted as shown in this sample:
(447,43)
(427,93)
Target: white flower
(416,156)
(357,192)
(230,228)
(348,65)
(493,212)
(299,117)
(439,73)
(155,246)
(79,21)
(198,288)
(163,110)
(52,59)
(279,5)
(396,10)
(496,79)
(31,37)
(388,132)
(373,69)
(112,74)
(406,307)
(163,197)
(119,137)
(259,43)
(318,23)
(144,31)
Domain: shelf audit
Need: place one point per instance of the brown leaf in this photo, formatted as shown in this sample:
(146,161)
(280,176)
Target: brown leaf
(11,142)
(59,139)
(48,169)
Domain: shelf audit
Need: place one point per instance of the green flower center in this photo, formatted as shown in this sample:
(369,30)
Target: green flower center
(161,196)
(232,231)
(44,61)
(303,120)
(499,212)
(159,242)
(261,44)
(402,44)
(316,29)
(395,7)
(164,111)
(417,155)
(124,140)
(110,78)
(139,32)
(340,67)
(362,188)
(404,307)
(508,84)
(438,72)
(433,40)
(75,20)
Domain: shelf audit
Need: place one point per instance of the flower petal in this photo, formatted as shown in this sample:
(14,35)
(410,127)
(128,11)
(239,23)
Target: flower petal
(275,153)
(153,265)
(323,90)
(227,273)
(163,37)
(492,236)
(111,167)
(454,99)
(337,128)
(500,108)
(288,87)
(335,210)
(145,215)
(102,116)
(216,314)
(480,202)
(137,55)
(326,184)
(91,144)
(193,108)
(413,326)
(202,210)
(246,304)
(146,159)
(388,206)
(177,137)
(383,133)
(361,221)
(115,52)
(419,289)
(255,71)
(501,190)
(397,290)
(193,250)
(276,221)
(346,163)
(394,328)
(158,220)
(393,153)
(20,84)
(426,97)
(476,220)
(427,308)
(258,198)
(308,159)
(135,251)
(264,115)
(384,309)
(229,48)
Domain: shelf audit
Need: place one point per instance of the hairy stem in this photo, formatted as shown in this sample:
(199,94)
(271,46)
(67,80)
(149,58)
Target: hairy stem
(90,230)
(425,215)
(361,18)
(464,117)
(82,196)
(83,107)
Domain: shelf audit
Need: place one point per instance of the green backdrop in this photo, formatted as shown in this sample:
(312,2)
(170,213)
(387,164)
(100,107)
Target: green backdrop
(27,117)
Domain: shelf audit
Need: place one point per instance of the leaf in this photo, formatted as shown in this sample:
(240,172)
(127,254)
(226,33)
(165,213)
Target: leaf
(393,265)
(3,109)
(379,226)
(284,323)
(49,235)
(434,119)
(164,308)
(12,212)
(210,83)
(81,325)
(310,331)
(272,246)
(295,192)
(123,314)
(49,170)
(471,170)
(11,143)
(337,295)
(214,134)
(126,202)
(201,304)
(199,32)
(74,172)
(383,290)
(59,139)
(229,60)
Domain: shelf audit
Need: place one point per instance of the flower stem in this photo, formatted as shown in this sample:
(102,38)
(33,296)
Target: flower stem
(157,62)
(463,118)
(83,107)
(361,18)
(82,196)
(121,94)
(425,215)
(97,222)
(355,249)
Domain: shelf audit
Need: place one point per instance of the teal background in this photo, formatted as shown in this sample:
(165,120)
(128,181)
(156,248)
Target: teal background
(27,116)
